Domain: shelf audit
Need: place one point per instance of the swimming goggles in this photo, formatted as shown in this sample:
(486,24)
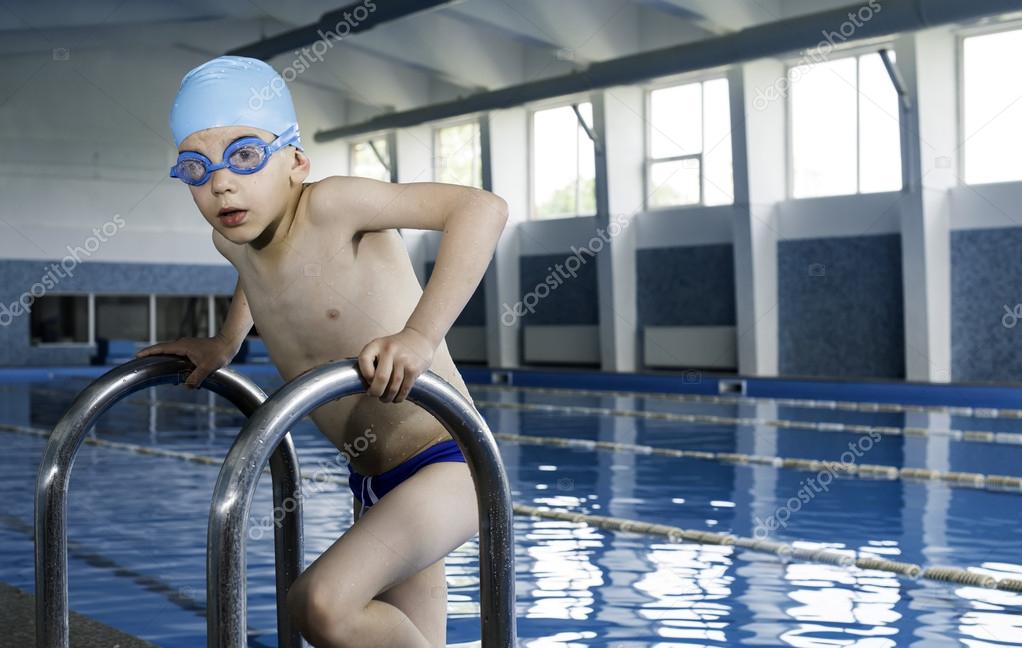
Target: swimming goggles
(244,155)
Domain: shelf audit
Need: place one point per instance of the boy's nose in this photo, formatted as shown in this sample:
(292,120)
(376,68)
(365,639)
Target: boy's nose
(222,180)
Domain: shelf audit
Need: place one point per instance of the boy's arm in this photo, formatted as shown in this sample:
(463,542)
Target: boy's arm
(238,322)
(471,221)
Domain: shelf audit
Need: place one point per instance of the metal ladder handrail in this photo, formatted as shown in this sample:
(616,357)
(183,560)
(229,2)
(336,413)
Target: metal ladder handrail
(51,589)
(232,496)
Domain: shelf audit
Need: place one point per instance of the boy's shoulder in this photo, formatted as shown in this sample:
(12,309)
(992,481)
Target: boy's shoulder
(335,195)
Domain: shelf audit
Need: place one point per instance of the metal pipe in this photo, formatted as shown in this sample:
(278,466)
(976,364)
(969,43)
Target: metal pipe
(771,39)
(235,487)
(896,79)
(356,17)
(51,620)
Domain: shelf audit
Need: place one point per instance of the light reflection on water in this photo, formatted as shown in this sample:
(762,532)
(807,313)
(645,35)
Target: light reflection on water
(576,586)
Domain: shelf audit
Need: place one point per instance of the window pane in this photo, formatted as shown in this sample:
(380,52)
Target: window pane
(366,163)
(718,175)
(60,319)
(992,110)
(122,318)
(674,183)
(823,107)
(182,317)
(563,163)
(458,157)
(879,130)
(676,121)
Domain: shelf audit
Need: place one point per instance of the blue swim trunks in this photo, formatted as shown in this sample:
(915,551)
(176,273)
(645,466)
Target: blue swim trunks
(369,489)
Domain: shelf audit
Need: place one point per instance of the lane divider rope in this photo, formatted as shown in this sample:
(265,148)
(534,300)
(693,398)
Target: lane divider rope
(784,551)
(968,436)
(1006,483)
(975,436)
(807,403)
(963,479)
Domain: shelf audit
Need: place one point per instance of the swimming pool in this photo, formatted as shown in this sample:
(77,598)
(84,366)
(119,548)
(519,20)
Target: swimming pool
(138,522)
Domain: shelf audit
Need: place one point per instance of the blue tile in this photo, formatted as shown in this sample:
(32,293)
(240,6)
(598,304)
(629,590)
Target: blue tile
(840,307)
(21,277)
(556,292)
(986,277)
(686,286)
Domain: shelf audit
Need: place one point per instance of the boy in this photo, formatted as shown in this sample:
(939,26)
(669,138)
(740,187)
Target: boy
(324,275)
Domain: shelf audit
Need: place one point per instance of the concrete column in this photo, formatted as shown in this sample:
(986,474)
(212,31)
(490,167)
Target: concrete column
(620,127)
(505,150)
(760,175)
(927,61)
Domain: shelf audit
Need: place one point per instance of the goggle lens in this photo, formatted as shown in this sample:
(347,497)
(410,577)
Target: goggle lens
(248,156)
(190,171)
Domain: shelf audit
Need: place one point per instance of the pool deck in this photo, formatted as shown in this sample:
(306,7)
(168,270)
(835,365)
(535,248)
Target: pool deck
(17,626)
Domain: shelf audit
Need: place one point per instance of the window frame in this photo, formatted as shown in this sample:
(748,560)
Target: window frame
(386,136)
(151,300)
(461,120)
(960,36)
(530,110)
(854,51)
(90,323)
(700,77)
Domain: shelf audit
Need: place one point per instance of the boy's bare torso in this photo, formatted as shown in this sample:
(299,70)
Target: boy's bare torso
(316,298)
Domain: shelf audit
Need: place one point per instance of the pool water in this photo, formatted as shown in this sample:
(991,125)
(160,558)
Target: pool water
(138,525)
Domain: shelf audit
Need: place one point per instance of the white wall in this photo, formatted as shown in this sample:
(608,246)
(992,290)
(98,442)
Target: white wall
(87,139)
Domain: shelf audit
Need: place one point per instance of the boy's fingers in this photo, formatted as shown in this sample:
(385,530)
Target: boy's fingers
(394,385)
(407,382)
(365,362)
(384,364)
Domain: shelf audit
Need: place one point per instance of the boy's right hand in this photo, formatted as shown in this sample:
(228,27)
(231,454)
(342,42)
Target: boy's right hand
(207,354)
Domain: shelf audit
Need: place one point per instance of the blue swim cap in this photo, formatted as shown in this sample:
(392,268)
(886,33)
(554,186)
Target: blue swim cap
(232,91)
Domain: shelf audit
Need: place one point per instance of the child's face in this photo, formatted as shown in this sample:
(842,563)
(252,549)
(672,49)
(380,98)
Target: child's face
(263,195)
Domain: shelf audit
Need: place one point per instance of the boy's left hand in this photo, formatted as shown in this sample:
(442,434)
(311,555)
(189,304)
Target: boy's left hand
(391,364)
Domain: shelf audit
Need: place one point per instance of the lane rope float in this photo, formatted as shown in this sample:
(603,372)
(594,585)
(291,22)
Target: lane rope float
(976,436)
(806,403)
(781,550)
(967,436)
(963,479)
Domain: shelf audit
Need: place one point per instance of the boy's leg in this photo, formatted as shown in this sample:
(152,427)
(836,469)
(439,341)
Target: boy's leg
(423,597)
(336,602)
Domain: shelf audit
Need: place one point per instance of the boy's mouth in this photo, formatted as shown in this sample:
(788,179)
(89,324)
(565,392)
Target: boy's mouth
(232,216)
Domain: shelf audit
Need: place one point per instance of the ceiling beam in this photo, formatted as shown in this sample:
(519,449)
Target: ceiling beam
(329,23)
(772,39)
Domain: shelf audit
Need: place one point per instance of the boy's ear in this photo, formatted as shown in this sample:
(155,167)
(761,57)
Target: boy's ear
(301,165)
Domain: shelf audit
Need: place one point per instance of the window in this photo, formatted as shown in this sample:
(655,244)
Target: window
(60,319)
(991,111)
(182,317)
(845,130)
(458,159)
(371,159)
(122,318)
(563,163)
(689,159)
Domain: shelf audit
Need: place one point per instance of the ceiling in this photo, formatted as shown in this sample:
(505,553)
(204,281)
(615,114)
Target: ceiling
(437,54)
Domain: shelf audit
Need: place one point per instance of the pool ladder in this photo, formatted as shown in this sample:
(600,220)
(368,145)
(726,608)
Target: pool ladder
(265,438)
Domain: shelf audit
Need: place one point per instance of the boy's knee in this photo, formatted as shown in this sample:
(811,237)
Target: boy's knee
(322,616)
